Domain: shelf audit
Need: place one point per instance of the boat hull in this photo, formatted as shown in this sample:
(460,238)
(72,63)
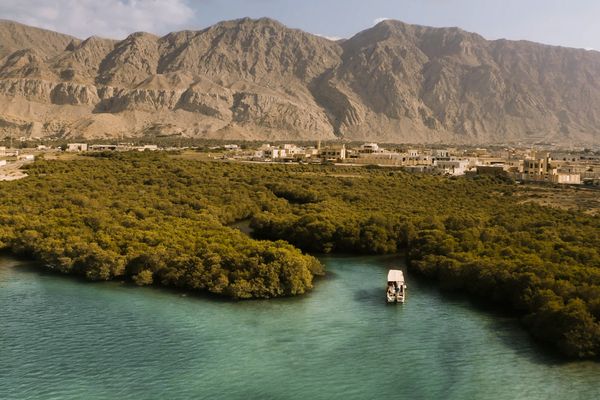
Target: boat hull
(394,299)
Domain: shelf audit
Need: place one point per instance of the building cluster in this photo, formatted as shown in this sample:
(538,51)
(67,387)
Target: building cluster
(13,155)
(557,167)
(77,147)
(521,165)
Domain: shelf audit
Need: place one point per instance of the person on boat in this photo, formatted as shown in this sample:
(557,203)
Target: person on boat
(391,290)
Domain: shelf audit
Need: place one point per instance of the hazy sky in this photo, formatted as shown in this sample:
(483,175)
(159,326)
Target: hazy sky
(572,23)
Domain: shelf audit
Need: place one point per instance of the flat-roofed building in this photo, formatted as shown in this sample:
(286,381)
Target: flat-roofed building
(505,154)
(151,147)
(453,166)
(440,154)
(491,170)
(334,152)
(369,148)
(379,158)
(273,153)
(77,147)
(565,157)
(573,169)
(103,147)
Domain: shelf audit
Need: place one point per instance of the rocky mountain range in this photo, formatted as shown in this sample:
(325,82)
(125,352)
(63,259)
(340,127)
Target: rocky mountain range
(258,79)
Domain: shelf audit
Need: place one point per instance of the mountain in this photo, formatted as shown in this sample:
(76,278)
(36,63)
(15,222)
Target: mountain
(258,79)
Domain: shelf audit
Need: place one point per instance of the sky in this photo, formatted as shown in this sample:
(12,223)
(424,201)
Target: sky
(571,23)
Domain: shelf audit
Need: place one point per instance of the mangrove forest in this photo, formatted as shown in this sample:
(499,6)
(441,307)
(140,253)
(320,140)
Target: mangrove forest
(159,219)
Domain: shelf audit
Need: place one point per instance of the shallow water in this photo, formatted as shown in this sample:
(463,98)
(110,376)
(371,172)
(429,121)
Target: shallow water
(65,338)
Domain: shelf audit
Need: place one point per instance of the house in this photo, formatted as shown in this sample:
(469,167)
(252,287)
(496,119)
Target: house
(77,147)
(437,154)
(494,170)
(369,148)
(103,147)
(452,166)
(334,152)
(566,157)
(503,154)
(422,169)
(414,158)
(383,158)
(290,148)
(542,168)
(310,152)
(573,169)
(151,147)
(273,153)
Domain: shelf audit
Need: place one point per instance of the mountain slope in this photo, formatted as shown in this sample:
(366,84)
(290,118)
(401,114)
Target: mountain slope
(257,79)
(16,37)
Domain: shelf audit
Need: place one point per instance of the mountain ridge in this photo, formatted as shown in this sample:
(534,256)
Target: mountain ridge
(258,79)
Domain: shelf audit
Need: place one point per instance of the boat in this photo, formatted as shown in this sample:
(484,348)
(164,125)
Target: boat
(396,288)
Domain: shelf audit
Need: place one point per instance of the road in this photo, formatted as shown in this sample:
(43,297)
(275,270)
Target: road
(12,171)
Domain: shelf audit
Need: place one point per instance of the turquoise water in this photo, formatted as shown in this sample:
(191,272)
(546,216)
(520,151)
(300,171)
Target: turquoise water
(65,338)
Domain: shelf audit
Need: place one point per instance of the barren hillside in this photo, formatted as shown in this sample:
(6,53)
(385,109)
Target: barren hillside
(257,79)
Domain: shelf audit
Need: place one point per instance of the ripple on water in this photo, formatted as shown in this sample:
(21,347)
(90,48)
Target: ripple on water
(62,338)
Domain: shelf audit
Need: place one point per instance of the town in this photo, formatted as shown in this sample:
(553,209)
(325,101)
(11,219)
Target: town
(575,166)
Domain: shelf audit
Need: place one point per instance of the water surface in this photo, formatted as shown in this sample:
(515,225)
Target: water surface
(65,338)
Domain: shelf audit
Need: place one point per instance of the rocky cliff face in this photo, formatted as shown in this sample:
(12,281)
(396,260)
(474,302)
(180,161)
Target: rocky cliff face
(257,79)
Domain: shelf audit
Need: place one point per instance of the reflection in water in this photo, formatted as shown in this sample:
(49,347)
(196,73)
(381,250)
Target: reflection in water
(243,226)
(63,338)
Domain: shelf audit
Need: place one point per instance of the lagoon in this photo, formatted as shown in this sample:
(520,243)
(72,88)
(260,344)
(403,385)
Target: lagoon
(66,338)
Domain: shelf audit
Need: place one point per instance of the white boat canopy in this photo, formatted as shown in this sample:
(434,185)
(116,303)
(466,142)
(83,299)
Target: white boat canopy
(395,276)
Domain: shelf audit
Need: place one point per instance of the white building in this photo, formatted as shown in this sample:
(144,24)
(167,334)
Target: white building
(273,153)
(151,147)
(77,147)
(453,166)
(369,148)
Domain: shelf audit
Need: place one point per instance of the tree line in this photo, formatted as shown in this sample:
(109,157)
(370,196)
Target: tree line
(150,218)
